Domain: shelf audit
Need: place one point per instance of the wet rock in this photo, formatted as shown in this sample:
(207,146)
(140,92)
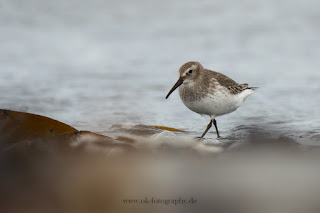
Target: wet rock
(95,143)
(27,134)
(142,130)
(126,139)
(167,143)
(20,126)
(165,135)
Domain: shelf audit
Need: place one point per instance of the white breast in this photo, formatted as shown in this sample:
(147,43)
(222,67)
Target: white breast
(219,103)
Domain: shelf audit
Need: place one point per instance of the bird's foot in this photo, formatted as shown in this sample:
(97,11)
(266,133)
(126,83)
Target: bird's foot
(199,138)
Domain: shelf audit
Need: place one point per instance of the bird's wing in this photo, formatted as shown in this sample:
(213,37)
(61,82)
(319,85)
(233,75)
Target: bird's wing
(227,82)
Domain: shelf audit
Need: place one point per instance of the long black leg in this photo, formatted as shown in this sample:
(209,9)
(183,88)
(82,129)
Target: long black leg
(208,127)
(215,125)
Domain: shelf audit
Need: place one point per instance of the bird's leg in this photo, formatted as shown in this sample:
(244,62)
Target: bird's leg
(215,125)
(208,127)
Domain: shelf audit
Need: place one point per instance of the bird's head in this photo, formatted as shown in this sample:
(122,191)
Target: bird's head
(188,73)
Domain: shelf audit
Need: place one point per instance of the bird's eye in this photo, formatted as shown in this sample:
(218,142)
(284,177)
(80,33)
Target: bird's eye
(190,71)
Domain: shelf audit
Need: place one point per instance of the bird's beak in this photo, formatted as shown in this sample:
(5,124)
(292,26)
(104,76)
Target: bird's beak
(179,82)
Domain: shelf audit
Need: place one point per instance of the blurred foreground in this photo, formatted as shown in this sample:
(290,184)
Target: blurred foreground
(47,166)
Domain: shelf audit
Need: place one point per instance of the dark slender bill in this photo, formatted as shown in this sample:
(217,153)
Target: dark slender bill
(179,82)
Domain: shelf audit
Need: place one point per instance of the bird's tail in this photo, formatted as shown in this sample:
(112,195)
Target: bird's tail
(254,88)
(246,86)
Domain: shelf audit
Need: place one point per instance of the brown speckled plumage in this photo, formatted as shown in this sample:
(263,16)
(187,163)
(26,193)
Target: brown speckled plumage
(206,81)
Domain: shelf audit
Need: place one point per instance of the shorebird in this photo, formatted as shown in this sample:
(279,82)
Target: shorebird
(209,93)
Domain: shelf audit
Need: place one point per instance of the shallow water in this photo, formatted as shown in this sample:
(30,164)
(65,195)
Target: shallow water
(99,64)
